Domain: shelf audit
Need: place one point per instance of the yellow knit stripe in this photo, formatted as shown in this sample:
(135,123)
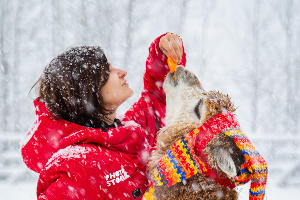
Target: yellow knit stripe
(157,178)
(195,132)
(258,189)
(149,195)
(189,161)
(234,132)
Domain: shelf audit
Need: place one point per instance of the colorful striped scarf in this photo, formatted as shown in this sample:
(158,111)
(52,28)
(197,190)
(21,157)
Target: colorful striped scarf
(185,158)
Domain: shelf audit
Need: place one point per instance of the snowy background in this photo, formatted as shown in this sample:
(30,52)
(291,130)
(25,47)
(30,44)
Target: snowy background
(247,49)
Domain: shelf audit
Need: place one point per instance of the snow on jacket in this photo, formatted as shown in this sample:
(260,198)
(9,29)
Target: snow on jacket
(77,162)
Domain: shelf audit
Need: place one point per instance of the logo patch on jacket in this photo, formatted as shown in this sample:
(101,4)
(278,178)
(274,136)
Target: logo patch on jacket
(136,193)
(116,177)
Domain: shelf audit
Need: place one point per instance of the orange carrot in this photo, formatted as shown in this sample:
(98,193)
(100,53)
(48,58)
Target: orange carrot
(172,65)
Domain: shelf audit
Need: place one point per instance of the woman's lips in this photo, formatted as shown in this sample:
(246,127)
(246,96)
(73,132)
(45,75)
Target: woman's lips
(125,84)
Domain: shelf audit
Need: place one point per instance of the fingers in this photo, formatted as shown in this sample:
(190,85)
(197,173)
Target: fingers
(176,49)
(171,45)
(180,45)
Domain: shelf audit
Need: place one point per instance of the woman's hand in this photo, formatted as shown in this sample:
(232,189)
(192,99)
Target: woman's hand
(171,45)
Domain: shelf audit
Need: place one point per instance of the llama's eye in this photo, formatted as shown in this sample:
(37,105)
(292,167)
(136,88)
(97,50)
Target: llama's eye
(197,108)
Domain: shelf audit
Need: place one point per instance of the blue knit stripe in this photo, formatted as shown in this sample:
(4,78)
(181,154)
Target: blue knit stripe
(249,152)
(163,180)
(258,193)
(176,165)
(188,150)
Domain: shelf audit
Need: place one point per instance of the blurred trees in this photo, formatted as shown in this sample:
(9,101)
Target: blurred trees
(286,14)
(263,35)
(3,66)
(249,50)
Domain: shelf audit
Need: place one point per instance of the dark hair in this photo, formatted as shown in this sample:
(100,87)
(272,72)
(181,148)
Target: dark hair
(70,85)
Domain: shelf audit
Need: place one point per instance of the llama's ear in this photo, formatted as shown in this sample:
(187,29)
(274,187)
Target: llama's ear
(225,162)
(200,85)
(227,104)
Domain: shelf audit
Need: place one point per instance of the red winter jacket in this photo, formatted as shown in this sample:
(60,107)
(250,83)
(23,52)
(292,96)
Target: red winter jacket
(76,162)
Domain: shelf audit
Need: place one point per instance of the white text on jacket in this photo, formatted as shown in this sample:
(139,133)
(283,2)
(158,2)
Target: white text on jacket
(116,177)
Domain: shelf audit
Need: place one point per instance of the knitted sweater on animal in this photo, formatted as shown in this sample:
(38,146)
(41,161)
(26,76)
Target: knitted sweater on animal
(185,158)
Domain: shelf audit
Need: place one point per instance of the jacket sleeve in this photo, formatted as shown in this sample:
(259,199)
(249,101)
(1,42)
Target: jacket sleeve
(149,110)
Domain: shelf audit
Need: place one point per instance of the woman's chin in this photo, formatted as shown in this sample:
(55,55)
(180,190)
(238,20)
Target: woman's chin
(131,92)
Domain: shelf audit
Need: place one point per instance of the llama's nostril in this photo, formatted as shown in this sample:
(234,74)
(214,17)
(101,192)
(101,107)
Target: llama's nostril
(173,82)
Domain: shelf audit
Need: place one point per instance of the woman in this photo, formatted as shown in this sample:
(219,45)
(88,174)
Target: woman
(78,147)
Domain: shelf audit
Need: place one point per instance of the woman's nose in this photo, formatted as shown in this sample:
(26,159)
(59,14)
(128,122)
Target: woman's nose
(122,73)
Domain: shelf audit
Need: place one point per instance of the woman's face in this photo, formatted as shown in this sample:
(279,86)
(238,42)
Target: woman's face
(116,89)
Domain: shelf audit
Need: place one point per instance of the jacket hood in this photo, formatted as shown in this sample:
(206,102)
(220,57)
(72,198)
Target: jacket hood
(50,134)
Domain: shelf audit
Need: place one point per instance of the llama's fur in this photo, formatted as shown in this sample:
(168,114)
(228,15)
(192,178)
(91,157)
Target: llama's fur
(188,107)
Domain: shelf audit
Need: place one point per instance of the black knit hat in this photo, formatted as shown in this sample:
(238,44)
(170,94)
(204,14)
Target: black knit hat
(71,84)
